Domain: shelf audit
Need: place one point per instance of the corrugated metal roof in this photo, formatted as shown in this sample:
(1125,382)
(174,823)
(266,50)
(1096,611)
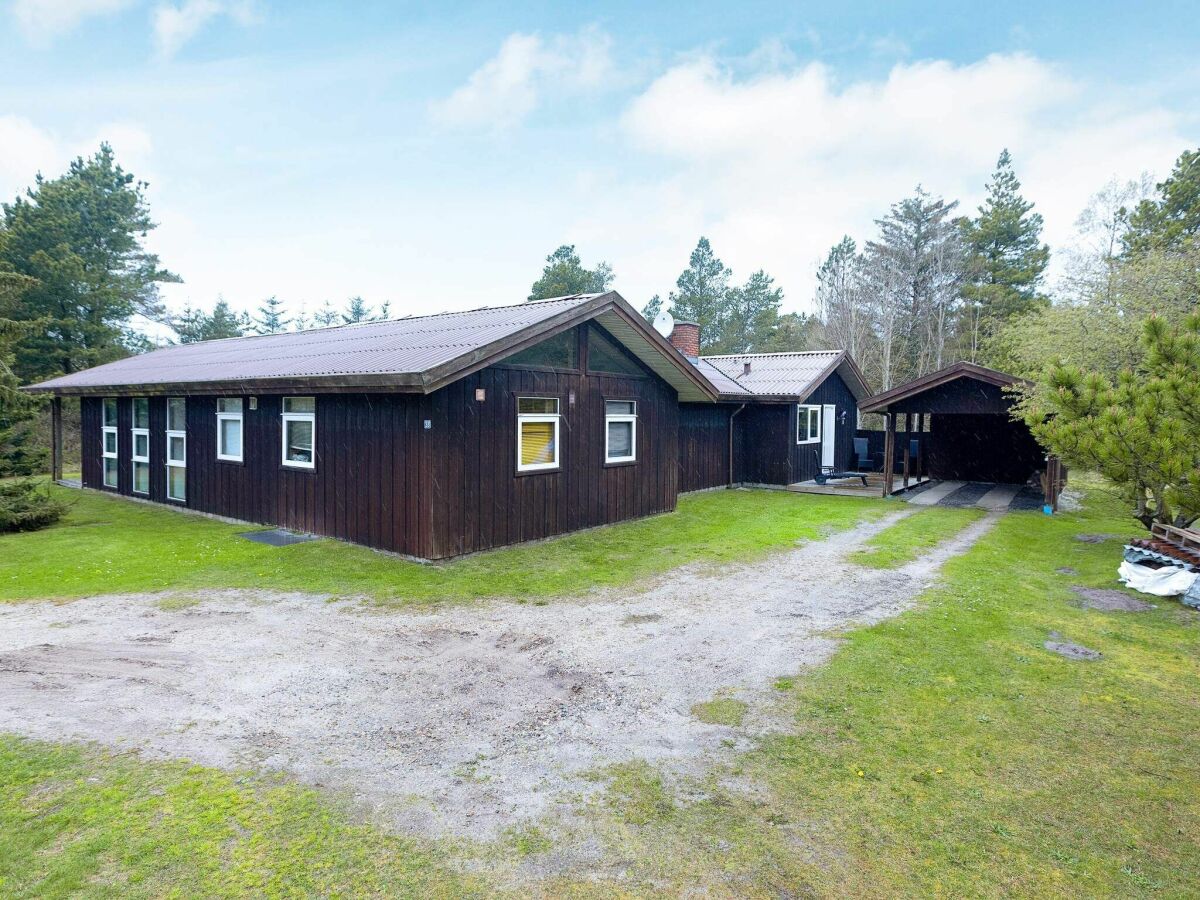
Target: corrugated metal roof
(723,382)
(395,347)
(776,374)
(420,353)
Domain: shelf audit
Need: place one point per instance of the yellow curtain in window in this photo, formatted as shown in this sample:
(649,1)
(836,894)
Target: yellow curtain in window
(537,443)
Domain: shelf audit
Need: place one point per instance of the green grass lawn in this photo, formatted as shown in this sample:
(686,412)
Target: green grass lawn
(942,753)
(914,535)
(947,753)
(110,545)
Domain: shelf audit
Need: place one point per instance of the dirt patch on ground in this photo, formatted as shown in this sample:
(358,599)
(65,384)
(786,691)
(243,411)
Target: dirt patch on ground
(1070,649)
(1095,538)
(1109,600)
(468,719)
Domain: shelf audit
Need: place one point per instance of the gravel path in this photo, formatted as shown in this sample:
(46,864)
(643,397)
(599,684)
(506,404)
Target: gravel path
(468,719)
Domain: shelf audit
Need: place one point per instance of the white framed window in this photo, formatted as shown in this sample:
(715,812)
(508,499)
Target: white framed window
(140,443)
(176,449)
(229,429)
(620,431)
(300,432)
(808,424)
(108,438)
(537,433)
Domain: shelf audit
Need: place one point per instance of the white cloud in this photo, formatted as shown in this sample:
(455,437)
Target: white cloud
(43,20)
(174,25)
(775,167)
(29,149)
(510,85)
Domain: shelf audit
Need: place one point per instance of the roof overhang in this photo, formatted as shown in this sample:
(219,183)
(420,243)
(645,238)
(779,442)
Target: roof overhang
(881,402)
(611,310)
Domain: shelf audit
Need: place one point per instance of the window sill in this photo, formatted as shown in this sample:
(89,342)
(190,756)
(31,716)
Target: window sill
(309,469)
(549,471)
(808,443)
(231,462)
(619,463)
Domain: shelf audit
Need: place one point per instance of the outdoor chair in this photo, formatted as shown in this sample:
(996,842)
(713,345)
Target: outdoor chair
(830,473)
(863,460)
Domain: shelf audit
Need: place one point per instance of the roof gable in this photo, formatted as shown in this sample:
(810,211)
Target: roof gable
(881,401)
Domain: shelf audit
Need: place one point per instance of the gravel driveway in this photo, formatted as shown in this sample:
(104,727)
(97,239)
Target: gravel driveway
(467,719)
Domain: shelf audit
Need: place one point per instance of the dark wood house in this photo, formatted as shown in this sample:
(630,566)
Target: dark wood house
(430,436)
(780,417)
(441,435)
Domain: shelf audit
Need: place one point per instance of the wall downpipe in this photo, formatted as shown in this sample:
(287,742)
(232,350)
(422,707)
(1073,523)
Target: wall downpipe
(731,418)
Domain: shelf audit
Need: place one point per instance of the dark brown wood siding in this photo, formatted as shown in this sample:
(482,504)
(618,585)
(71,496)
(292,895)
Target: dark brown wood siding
(385,480)
(704,445)
(480,500)
(761,440)
(805,462)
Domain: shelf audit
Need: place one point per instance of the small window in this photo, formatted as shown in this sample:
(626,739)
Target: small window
(229,429)
(808,424)
(537,433)
(140,442)
(299,432)
(620,431)
(108,446)
(605,357)
(177,449)
(558,352)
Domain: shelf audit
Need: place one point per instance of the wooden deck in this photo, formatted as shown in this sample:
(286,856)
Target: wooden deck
(853,487)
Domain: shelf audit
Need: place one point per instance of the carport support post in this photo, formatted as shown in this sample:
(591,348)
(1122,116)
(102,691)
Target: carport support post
(907,446)
(889,453)
(56,442)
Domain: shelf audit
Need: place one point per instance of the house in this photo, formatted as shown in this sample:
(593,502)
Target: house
(779,418)
(440,435)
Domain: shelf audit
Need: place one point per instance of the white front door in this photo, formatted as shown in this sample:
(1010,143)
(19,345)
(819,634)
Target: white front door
(828,434)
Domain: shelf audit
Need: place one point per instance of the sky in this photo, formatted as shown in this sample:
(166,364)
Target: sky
(432,158)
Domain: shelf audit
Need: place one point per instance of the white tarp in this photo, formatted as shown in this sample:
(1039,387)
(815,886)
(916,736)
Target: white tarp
(1169,581)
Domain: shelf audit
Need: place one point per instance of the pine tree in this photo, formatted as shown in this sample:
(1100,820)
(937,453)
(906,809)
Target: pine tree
(1172,221)
(651,310)
(564,275)
(271,318)
(751,316)
(845,320)
(1140,431)
(1005,255)
(194,324)
(19,450)
(793,333)
(356,311)
(81,237)
(326,315)
(702,293)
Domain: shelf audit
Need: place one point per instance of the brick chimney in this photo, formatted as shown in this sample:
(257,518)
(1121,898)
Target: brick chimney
(685,338)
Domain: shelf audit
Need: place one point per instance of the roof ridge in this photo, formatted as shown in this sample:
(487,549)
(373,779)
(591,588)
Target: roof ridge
(448,312)
(777,353)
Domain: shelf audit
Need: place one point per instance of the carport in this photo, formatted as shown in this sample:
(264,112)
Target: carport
(962,416)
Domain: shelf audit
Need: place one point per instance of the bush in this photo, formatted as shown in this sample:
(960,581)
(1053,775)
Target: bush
(27,505)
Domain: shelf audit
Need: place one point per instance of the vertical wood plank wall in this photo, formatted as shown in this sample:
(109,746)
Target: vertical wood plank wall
(382,479)
(805,463)
(704,445)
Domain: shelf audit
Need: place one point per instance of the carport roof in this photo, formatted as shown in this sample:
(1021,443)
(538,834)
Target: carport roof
(881,402)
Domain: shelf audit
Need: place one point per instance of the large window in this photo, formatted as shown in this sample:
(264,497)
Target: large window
(141,445)
(108,436)
(620,431)
(537,433)
(808,424)
(177,449)
(606,357)
(299,432)
(558,352)
(229,429)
